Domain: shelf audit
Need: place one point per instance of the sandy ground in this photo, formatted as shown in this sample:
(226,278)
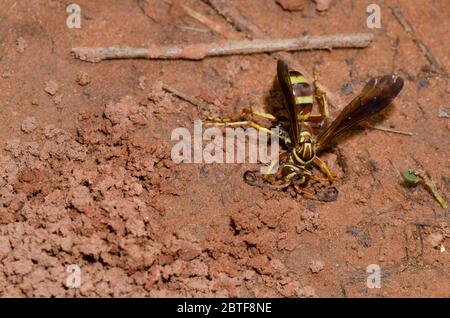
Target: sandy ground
(87,177)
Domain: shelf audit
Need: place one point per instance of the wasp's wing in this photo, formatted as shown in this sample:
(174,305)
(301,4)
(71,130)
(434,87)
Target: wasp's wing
(289,101)
(377,95)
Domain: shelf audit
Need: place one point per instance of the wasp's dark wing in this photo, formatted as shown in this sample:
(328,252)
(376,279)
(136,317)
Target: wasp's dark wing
(377,95)
(289,101)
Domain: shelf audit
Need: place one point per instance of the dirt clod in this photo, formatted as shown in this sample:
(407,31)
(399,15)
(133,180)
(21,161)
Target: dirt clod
(51,87)
(21,45)
(83,78)
(29,124)
(316,266)
(436,240)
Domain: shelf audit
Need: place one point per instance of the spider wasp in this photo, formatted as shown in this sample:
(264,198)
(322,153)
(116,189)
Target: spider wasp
(303,145)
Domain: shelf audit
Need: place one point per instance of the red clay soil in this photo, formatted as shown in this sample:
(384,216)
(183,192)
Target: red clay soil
(87,177)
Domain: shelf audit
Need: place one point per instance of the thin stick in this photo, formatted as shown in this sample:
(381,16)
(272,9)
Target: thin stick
(205,21)
(190,28)
(141,4)
(235,18)
(200,51)
(201,106)
(390,130)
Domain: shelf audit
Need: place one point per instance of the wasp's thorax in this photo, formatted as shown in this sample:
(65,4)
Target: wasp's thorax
(303,153)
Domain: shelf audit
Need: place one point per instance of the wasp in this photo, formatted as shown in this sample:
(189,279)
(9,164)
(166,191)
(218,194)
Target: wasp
(303,145)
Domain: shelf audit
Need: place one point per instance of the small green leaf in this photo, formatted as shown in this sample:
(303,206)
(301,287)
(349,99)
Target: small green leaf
(410,176)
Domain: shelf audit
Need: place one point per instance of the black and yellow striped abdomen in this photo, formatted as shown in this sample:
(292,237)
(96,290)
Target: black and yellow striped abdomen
(303,94)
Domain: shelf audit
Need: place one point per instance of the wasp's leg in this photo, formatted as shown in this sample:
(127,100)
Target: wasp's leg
(259,127)
(323,166)
(321,98)
(225,122)
(261,114)
(250,123)
(237,120)
(318,179)
(238,116)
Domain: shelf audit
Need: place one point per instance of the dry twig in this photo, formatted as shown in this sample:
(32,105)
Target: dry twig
(191,28)
(201,106)
(200,51)
(205,21)
(390,130)
(236,19)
